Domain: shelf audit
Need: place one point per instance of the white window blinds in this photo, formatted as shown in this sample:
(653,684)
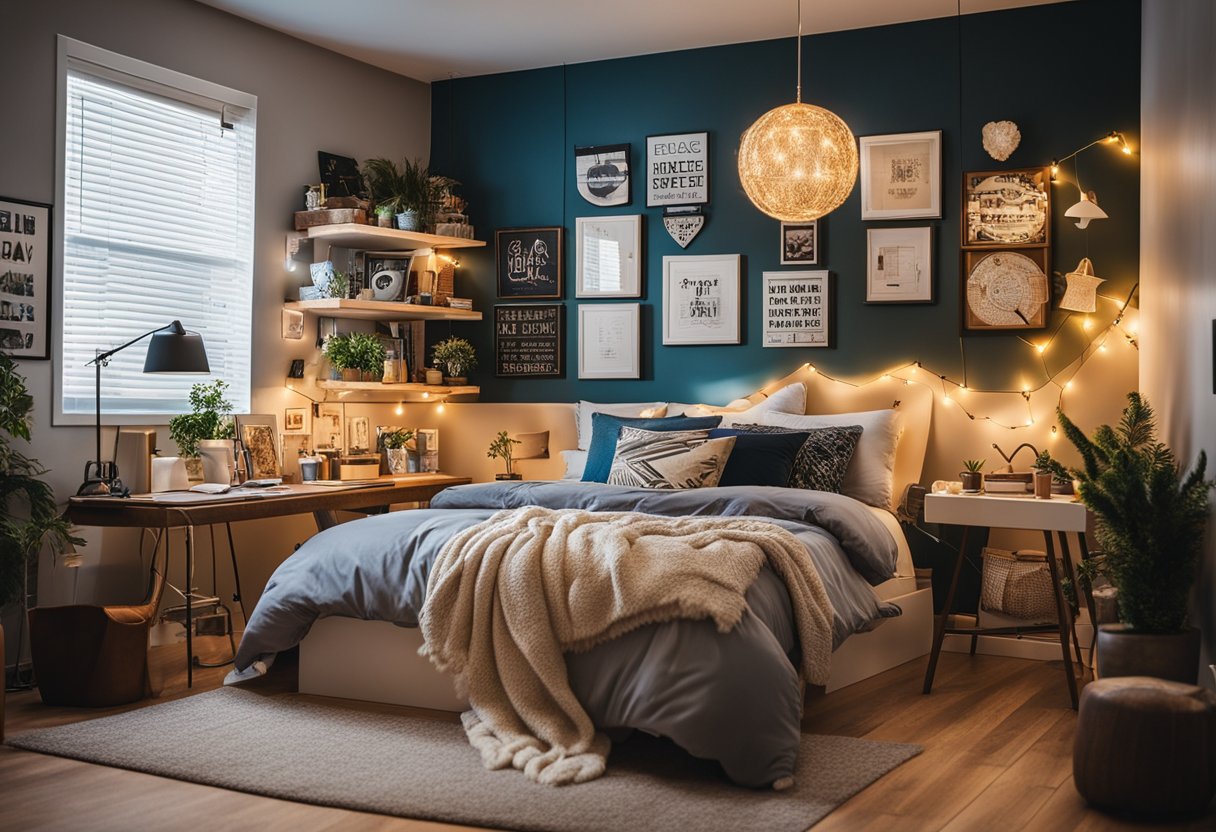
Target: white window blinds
(158,226)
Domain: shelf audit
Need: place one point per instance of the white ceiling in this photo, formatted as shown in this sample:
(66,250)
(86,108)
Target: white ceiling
(434,39)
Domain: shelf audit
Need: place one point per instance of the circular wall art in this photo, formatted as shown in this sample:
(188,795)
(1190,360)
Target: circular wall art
(1005,290)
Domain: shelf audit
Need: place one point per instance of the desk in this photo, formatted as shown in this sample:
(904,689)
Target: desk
(1059,514)
(143,511)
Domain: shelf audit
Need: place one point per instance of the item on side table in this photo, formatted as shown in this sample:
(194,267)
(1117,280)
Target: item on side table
(973,477)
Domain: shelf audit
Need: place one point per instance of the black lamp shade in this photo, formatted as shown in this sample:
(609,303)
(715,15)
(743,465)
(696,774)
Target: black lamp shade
(174,350)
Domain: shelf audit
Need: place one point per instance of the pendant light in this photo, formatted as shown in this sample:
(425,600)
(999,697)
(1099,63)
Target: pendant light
(798,162)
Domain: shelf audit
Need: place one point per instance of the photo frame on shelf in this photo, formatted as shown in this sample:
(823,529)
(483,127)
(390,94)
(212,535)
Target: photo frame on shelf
(677,169)
(701,299)
(797,309)
(529,340)
(901,176)
(259,435)
(609,340)
(529,262)
(1005,290)
(899,265)
(25,308)
(609,257)
(800,243)
(601,173)
(359,434)
(1006,208)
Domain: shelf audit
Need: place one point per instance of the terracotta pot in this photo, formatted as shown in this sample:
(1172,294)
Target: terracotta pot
(971,480)
(351,374)
(1123,652)
(455,381)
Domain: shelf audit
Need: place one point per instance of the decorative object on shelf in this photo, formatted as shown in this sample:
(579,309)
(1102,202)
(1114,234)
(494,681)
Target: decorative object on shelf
(800,243)
(329,216)
(314,197)
(25,250)
(972,477)
(357,355)
(901,176)
(1151,519)
(677,169)
(899,265)
(322,274)
(293,325)
(1000,139)
(387,284)
(501,448)
(1081,291)
(701,299)
(340,175)
(609,340)
(358,434)
(295,420)
(451,219)
(209,420)
(385,187)
(797,309)
(258,433)
(1005,290)
(327,426)
(400,458)
(783,145)
(1086,209)
(609,257)
(1006,208)
(529,340)
(684,223)
(530,262)
(457,356)
(601,173)
(434,377)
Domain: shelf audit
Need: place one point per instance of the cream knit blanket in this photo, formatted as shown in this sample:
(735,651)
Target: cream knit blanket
(508,596)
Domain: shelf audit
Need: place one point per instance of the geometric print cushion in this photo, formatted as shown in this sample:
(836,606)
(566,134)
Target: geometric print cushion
(822,460)
(669,459)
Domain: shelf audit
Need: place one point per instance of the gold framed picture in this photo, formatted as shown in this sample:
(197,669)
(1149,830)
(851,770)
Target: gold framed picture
(1006,208)
(1005,290)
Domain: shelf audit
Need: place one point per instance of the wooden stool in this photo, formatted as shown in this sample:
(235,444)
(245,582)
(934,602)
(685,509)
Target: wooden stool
(1146,746)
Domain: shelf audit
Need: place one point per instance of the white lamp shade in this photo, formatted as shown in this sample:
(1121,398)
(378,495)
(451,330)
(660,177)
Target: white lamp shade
(1085,210)
(1081,292)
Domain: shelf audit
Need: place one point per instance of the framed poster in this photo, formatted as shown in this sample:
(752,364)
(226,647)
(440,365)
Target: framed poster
(25,252)
(528,340)
(677,169)
(258,433)
(901,176)
(800,243)
(609,257)
(1006,208)
(609,340)
(797,309)
(701,299)
(1005,290)
(899,265)
(295,420)
(529,262)
(601,173)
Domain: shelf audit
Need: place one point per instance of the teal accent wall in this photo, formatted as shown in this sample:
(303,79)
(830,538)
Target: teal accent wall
(1065,73)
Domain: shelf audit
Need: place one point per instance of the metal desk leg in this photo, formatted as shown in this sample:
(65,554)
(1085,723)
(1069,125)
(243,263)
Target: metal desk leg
(1064,613)
(236,574)
(1070,573)
(189,607)
(939,626)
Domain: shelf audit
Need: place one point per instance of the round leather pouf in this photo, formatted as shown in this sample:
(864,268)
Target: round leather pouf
(1146,746)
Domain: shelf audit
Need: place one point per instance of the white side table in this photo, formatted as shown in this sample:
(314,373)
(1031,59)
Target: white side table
(1060,514)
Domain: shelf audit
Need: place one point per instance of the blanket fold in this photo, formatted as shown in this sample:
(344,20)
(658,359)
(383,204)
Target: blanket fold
(508,597)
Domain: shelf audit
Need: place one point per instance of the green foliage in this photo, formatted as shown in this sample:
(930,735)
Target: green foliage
(210,418)
(1046,463)
(339,286)
(397,439)
(1151,518)
(385,184)
(501,448)
(416,189)
(974,465)
(356,351)
(457,355)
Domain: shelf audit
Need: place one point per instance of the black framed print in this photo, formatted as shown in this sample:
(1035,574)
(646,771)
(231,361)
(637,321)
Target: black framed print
(800,243)
(529,262)
(529,339)
(602,174)
(25,255)
(677,169)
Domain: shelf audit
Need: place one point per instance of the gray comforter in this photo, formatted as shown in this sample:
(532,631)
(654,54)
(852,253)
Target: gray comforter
(731,697)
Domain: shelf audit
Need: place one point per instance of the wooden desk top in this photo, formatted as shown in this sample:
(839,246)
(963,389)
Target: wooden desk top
(142,511)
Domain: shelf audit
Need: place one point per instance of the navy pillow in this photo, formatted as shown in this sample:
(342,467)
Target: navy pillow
(605,429)
(760,458)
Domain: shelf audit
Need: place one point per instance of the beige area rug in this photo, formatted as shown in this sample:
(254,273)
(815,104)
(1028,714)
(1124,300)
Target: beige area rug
(321,751)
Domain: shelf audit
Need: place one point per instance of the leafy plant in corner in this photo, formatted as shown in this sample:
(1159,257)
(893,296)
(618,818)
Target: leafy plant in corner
(457,356)
(210,418)
(501,448)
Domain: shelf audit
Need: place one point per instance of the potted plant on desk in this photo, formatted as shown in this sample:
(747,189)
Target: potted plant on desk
(501,448)
(973,477)
(396,448)
(206,432)
(1150,524)
(457,356)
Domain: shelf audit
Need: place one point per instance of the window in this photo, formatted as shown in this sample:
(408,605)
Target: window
(157,225)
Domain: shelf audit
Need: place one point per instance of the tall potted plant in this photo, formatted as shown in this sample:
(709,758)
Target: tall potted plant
(385,186)
(501,448)
(415,196)
(206,431)
(1150,524)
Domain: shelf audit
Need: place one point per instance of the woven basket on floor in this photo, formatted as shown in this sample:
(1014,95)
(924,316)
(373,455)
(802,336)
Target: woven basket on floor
(1018,584)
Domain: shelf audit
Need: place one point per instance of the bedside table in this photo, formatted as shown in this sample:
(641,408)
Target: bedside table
(1060,515)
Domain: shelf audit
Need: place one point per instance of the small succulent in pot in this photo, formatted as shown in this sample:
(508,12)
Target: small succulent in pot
(1061,480)
(501,448)
(458,357)
(973,476)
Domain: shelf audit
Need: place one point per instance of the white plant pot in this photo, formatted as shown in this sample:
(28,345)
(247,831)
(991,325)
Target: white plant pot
(217,460)
(402,461)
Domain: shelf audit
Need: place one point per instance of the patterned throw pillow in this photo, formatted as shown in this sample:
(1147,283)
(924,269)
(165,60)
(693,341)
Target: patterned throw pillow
(824,457)
(669,459)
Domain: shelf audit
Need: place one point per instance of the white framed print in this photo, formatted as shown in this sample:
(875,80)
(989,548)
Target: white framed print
(677,169)
(609,257)
(701,299)
(800,243)
(797,309)
(609,340)
(899,265)
(901,176)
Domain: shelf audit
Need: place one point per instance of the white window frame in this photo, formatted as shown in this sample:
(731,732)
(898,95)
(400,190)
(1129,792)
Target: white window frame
(72,49)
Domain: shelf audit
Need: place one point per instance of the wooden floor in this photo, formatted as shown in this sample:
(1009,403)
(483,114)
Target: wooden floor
(997,734)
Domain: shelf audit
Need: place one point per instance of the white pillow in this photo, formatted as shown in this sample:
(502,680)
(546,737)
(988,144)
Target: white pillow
(789,399)
(674,459)
(870,472)
(636,410)
(575,461)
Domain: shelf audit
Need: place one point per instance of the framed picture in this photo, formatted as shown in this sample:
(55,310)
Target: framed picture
(528,340)
(901,176)
(25,252)
(529,262)
(1006,208)
(358,434)
(602,174)
(899,265)
(797,309)
(609,257)
(1005,290)
(609,340)
(800,243)
(339,175)
(677,169)
(295,420)
(327,426)
(260,437)
(701,299)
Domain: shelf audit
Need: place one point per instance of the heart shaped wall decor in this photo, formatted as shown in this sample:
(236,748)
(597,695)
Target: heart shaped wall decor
(684,228)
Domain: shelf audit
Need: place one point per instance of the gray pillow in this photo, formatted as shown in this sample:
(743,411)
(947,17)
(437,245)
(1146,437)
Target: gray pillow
(668,459)
(824,457)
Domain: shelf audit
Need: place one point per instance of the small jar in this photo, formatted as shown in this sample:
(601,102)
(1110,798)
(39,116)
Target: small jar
(434,376)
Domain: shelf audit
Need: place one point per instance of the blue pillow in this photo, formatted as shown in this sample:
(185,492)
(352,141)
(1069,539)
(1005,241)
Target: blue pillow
(760,458)
(605,429)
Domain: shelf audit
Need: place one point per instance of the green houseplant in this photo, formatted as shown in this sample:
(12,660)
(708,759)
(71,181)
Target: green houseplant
(501,448)
(385,186)
(397,450)
(972,476)
(457,357)
(357,355)
(1151,519)
(415,195)
(206,431)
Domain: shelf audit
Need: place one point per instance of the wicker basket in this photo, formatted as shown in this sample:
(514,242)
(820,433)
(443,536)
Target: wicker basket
(1018,584)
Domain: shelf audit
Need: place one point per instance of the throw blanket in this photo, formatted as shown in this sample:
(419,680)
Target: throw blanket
(508,597)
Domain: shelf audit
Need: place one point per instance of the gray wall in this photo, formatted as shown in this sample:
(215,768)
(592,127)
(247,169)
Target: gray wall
(1177,248)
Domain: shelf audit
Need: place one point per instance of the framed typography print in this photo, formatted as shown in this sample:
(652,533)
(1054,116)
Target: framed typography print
(25,251)
(609,340)
(701,299)
(609,257)
(797,309)
(528,340)
(529,262)
(1005,290)
(901,176)
(677,169)
(1006,208)
(899,265)
(601,173)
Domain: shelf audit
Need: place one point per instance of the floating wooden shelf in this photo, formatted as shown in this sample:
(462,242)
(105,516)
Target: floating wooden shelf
(375,238)
(378,391)
(381,310)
